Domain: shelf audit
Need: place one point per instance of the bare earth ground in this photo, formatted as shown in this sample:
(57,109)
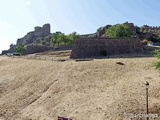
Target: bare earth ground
(62,54)
(87,90)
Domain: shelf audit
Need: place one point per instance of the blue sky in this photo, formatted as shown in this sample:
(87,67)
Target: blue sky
(17,17)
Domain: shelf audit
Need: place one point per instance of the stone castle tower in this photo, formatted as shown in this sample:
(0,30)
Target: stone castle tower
(42,30)
(33,36)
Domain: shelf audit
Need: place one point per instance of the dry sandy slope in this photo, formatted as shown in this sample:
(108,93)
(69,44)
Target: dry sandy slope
(88,90)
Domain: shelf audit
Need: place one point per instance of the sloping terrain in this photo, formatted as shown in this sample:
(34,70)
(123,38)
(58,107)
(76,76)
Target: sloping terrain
(86,90)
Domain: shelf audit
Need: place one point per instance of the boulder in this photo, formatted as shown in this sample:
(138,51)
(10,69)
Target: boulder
(101,30)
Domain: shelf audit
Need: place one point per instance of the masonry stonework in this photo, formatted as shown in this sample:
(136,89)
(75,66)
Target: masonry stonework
(93,47)
(30,49)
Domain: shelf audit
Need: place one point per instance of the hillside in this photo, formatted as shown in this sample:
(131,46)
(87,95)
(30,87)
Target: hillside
(88,90)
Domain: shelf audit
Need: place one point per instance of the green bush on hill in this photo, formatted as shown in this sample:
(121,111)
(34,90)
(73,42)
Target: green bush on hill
(20,49)
(119,31)
(156,65)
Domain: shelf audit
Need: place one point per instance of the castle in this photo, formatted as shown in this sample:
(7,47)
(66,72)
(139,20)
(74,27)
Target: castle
(32,37)
(146,27)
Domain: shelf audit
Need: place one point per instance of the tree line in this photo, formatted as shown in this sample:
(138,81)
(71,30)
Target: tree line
(60,38)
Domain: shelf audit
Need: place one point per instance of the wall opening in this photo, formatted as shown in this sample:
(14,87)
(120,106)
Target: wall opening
(103,53)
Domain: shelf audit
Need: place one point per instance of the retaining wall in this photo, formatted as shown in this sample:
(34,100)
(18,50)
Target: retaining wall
(36,48)
(94,47)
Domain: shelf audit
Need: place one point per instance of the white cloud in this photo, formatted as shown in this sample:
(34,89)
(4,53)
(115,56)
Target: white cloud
(28,2)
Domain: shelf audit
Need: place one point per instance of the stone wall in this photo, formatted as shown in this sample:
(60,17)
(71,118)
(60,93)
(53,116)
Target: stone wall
(94,47)
(151,27)
(30,49)
(65,47)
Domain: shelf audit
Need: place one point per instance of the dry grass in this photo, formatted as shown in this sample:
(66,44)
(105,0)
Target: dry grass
(58,54)
(87,90)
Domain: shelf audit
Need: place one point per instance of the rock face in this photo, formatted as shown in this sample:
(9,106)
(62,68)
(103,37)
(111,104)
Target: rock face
(101,30)
(135,30)
(35,36)
(11,50)
(39,33)
(146,36)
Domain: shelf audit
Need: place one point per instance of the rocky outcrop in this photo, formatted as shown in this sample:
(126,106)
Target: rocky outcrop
(101,30)
(135,30)
(10,50)
(145,36)
(33,37)
(40,33)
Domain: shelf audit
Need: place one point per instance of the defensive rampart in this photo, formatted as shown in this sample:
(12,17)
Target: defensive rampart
(94,47)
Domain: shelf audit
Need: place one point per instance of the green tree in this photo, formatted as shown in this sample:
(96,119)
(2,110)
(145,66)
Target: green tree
(62,39)
(20,49)
(119,31)
(71,37)
(55,38)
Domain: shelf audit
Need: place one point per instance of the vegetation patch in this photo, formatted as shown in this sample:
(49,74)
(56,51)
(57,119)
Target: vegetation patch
(119,31)
(156,65)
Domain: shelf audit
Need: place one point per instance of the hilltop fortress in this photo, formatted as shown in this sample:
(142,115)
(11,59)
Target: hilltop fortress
(32,40)
(36,35)
(151,27)
(97,42)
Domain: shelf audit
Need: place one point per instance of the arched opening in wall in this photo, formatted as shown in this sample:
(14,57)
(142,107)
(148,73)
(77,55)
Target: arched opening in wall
(103,53)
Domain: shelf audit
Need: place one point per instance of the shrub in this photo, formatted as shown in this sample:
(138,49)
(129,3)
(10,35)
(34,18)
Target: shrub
(156,65)
(119,31)
(157,53)
(20,49)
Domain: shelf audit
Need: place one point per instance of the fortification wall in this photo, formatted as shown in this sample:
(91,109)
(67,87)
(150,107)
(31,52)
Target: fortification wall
(36,48)
(93,47)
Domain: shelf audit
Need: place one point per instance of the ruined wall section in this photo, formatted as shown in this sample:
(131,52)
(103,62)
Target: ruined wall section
(93,47)
(30,49)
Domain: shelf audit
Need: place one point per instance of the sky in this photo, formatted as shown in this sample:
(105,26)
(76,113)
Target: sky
(18,17)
